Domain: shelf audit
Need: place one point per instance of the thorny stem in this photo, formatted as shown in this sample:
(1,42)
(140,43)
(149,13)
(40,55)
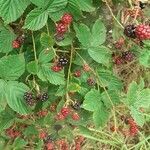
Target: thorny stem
(113,14)
(68,76)
(34,49)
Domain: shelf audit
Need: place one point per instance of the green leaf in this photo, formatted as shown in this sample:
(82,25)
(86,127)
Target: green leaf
(74,8)
(137,116)
(132,93)
(109,80)
(11,10)
(100,54)
(46,40)
(57,5)
(83,34)
(46,74)
(143,99)
(12,67)
(14,97)
(6,36)
(3,102)
(92,100)
(100,115)
(6,120)
(86,5)
(32,67)
(36,19)
(19,143)
(98,33)
(46,55)
(144,58)
(40,3)
(74,87)
(113,96)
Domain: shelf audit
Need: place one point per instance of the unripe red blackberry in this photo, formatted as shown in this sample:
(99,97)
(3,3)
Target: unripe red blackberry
(16,44)
(128,56)
(28,96)
(62,61)
(86,67)
(61,28)
(118,60)
(77,73)
(67,18)
(75,116)
(60,116)
(56,68)
(129,31)
(143,32)
(65,111)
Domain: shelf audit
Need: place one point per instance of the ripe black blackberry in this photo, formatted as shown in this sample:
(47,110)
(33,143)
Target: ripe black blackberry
(76,105)
(129,31)
(128,56)
(28,97)
(21,39)
(142,5)
(42,97)
(91,81)
(62,61)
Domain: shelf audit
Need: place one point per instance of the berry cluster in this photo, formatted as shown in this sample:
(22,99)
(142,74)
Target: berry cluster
(62,26)
(18,41)
(28,96)
(65,112)
(12,133)
(127,56)
(133,127)
(43,97)
(58,66)
(141,32)
(78,142)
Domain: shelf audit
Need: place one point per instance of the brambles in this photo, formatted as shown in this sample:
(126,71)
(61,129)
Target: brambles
(70,68)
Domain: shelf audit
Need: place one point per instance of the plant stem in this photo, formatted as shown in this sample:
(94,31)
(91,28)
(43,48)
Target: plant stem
(113,14)
(34,49)
(68,76)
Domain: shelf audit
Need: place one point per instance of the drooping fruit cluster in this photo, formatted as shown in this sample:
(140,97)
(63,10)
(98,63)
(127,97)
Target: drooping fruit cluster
(18,41)
(142,32)
(28,97)
(62,26)
(133,127)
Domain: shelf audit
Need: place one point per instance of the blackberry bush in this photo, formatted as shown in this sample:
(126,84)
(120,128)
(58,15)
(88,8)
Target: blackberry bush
(87,65)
